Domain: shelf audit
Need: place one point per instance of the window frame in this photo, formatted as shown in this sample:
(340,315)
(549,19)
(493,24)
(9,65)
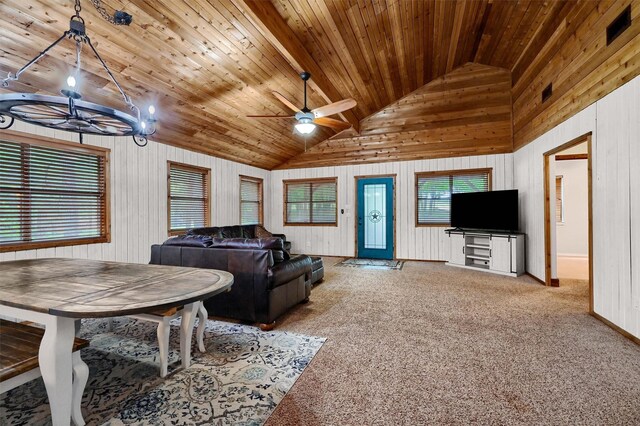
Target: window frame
(188,167)
(560,199)
(36,140)
(260,183)
(287,182)
(450,173)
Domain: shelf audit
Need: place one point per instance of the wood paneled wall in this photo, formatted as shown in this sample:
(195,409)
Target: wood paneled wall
(423,243)
(576,60)
(614,121)
(139,196)
(466,112)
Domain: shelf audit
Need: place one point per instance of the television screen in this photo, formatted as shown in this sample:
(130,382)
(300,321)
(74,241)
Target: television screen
(493,210)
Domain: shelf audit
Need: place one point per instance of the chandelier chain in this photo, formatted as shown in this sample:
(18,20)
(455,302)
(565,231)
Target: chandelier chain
(103,12)
(78,8)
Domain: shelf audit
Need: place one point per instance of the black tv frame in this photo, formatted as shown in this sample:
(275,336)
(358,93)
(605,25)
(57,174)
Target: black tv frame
(489,199)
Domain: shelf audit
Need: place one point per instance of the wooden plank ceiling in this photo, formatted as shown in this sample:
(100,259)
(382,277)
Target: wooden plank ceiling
(465,112)
(206,65)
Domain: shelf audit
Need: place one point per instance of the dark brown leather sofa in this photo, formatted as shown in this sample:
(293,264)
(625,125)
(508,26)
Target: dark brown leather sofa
(267,281)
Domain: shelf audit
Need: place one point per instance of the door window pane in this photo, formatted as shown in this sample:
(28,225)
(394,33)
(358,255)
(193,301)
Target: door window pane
(375,210)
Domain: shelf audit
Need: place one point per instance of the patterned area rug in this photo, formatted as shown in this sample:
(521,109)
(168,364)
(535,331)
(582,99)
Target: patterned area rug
(241,378)
(372,264)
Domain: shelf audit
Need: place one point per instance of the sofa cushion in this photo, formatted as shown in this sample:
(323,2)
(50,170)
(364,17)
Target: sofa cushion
(284,272)
(271,243)
(189,241)
(248,231)
(212,231)
(232,232)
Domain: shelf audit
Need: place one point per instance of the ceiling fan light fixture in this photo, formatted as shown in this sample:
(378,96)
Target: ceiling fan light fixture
(305,128)
(305,123)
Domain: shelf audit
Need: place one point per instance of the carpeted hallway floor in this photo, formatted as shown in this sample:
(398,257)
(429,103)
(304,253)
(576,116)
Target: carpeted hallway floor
(433,344)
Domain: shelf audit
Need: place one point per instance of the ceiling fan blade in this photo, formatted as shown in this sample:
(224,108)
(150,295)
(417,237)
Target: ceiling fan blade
(270,116)
(334,108)
(286,101)
(332,123)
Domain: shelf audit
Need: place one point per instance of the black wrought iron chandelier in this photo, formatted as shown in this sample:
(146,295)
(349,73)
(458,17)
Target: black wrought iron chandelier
(69,112)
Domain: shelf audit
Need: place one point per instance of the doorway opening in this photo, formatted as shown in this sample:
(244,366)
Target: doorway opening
(568,214)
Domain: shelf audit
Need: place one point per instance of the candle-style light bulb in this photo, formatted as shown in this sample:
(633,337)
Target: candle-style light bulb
(152,110)
(71,81)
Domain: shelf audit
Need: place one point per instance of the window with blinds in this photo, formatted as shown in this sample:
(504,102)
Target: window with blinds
(559,198)
(250,200)
(188,197)
(311,202)
(434,189)
(52,193)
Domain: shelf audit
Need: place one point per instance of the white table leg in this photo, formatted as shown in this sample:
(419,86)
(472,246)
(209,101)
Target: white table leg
(186,331)
(163,345)
(80,377)
(202,322)
(56,367)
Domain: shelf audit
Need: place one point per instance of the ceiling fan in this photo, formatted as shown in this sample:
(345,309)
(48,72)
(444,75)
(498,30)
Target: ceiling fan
(306,118)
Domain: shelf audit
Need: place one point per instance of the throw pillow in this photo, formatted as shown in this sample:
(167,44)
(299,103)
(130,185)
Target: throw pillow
(262,233)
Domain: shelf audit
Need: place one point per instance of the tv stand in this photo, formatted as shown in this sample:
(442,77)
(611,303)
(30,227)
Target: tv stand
(496,252)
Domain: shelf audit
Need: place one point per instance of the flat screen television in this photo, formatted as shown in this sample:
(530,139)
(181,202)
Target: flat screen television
(491,211)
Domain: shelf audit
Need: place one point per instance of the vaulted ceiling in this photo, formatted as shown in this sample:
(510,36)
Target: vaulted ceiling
(206,65)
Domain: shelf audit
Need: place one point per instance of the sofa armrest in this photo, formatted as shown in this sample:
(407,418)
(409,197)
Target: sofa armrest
(289,270)
(286,244)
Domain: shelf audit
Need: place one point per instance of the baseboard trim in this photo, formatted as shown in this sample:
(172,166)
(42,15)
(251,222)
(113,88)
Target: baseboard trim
(616,328)
(421,260)
(555,282)
(351,257)
(535,278)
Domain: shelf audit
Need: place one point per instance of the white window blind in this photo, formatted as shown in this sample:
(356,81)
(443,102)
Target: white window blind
(188,197)
(311,202)
(250,201)
(51,196)
(433,192)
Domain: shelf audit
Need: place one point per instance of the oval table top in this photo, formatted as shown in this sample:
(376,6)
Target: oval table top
(82,288)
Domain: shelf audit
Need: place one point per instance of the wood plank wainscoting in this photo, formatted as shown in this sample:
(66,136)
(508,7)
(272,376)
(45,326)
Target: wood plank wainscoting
(613,122)
(139,195)
(419,243)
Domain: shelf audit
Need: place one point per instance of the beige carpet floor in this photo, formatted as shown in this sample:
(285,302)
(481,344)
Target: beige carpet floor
(433,344)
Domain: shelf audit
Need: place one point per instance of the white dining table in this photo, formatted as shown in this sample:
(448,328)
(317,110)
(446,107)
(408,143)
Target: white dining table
(57,292)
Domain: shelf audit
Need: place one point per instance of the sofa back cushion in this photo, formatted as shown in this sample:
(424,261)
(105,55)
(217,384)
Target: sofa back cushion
(189,241)
(272,243)
(211,231)
(275,244)
(236,231)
